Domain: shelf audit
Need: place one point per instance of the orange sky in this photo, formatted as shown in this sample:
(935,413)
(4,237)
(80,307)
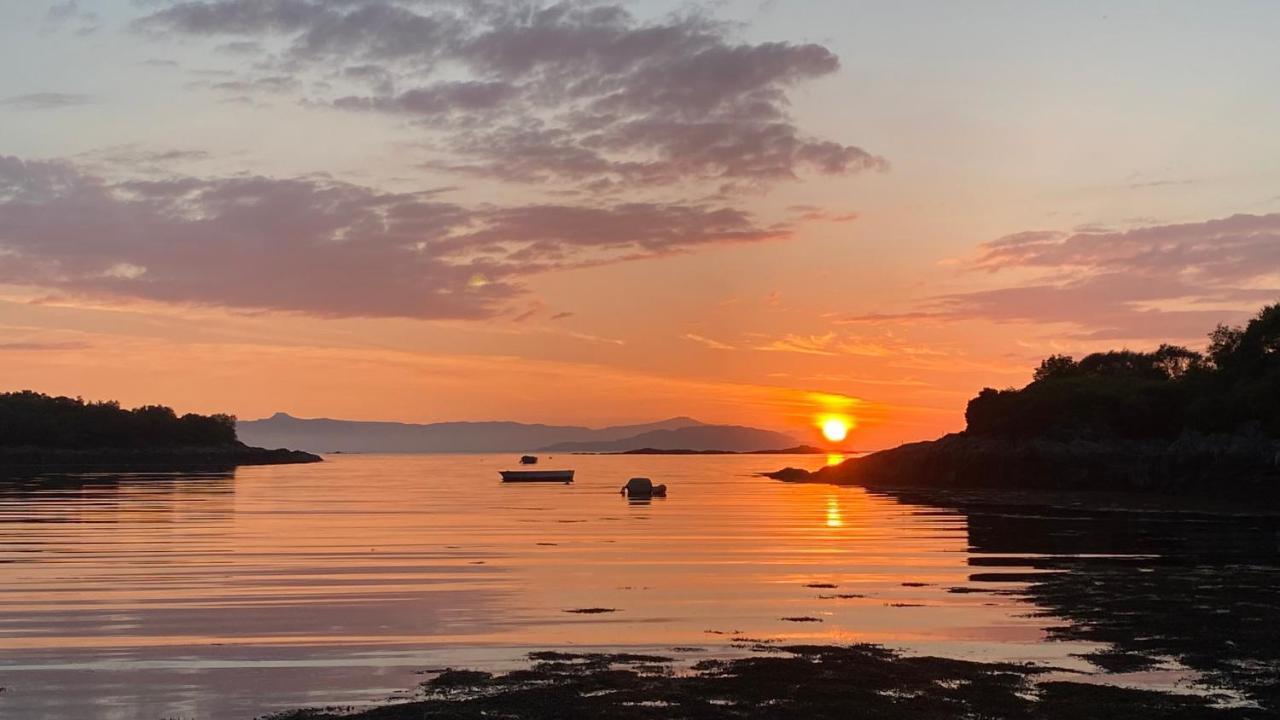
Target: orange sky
(618,215)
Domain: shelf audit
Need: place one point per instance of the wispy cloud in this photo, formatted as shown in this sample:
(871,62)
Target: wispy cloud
(1155,281)
(804,344)
(68,13)
(42,346)
(707,342)
(46,100)
(836,343)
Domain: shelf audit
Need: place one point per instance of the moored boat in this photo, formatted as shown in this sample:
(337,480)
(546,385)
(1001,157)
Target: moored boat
(562,476)
(643,487)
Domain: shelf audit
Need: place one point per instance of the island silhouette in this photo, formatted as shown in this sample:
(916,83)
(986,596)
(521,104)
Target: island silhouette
(1170,420)
(43,431)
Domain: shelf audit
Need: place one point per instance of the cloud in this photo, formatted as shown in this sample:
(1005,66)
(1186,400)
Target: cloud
(1152,282)
(1113,306)
(46,101)
(34,346)
(316,245)
(270,84)
(576,93)
(833,344)
(240,47)
(439,99)
(813,213)
(707,342)
(1160,183)
(805,345)
(69,12)
(534,308)
(1213,253)
(134,157)
(896,318)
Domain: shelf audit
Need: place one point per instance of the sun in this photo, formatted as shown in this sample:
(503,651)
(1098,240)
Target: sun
(835,429)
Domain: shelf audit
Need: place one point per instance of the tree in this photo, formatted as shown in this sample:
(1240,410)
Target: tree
(1224,345)
(1176,361)
(1055,366)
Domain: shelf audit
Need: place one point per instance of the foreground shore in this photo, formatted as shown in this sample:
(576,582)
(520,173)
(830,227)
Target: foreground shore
(28,459)
(798,681)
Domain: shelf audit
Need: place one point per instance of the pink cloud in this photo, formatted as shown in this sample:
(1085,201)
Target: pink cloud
(315,245)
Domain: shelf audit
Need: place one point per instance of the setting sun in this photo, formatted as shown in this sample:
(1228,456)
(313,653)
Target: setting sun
(835,429)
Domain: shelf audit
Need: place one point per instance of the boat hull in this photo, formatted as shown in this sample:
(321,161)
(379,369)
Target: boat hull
(514,476)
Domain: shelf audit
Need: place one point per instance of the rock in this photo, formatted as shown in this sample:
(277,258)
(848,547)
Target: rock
(790,474)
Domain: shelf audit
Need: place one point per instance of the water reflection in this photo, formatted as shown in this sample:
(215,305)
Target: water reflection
(833,513)
(1156,589)
(234,594)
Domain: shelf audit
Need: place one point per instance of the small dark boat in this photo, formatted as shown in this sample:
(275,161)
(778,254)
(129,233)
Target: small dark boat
(561,476)
(528,459)
(643,487)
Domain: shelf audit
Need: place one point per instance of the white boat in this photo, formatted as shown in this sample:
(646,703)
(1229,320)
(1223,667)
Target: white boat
(562,476)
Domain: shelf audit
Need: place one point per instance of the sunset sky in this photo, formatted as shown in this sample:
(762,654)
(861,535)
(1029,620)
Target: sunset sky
(747,211)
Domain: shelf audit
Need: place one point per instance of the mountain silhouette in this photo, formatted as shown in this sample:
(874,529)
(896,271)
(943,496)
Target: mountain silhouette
(735,438)
(330,435)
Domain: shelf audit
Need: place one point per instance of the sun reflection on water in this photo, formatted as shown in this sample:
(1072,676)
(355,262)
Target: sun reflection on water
(833,512)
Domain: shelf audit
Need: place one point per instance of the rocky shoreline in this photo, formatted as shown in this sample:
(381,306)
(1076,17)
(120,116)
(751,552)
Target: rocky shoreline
(782,682)
(26,459)
(1193,463)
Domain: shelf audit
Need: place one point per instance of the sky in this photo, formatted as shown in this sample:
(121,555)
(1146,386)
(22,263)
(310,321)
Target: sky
(750,212)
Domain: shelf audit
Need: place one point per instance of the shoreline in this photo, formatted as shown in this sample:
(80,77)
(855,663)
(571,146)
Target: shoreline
(35,459)
(790,681)
(1226,466)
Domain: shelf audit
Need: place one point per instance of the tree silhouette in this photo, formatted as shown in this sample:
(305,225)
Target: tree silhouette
(1235,388)
(31,419)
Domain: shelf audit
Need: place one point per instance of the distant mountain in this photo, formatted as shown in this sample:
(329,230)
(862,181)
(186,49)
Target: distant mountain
(733,438)
(797,450)
(327,435)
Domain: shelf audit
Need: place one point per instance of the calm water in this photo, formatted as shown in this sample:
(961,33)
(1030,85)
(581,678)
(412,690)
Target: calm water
(226,596)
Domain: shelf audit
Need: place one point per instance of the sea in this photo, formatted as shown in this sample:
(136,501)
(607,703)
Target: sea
(346,583)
